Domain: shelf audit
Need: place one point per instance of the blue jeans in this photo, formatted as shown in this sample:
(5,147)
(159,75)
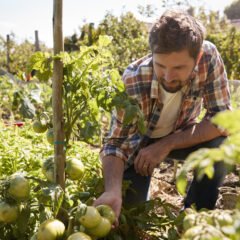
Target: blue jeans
(203,193)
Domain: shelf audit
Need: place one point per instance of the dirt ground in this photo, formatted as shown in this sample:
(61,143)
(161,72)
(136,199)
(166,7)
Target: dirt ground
(163,186)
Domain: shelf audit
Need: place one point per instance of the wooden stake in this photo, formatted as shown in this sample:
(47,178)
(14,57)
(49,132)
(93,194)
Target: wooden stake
(57,103)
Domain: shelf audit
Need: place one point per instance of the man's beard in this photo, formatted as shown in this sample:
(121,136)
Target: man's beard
(177,84)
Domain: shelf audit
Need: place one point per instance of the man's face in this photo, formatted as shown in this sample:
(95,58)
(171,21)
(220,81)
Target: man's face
(173,70)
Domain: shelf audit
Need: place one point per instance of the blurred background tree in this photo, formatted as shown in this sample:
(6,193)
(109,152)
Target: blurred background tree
(19,54)
(129,37)
(233,11)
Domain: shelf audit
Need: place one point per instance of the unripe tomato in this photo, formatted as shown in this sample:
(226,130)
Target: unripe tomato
(48,169)
(102,229)
(90,216)
(107,212)
(50,229)
(39,127)
(74,168)
(203,231)
(50,136)
(79,236)
(8,213)
(19,187)
(189,221)
(221,218)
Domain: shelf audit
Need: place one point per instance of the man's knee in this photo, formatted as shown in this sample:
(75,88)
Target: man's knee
(214,143)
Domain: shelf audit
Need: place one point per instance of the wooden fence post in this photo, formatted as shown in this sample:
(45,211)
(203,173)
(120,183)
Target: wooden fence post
(8,53)
(57,102)
(37,46)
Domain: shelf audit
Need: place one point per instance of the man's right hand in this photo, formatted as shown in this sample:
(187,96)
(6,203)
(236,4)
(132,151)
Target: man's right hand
(113,200)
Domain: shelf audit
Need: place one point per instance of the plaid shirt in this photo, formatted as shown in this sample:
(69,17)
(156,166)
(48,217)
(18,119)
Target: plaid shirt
(208,87)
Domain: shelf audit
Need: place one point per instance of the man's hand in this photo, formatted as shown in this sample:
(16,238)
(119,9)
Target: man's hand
(151,156)
(113,200)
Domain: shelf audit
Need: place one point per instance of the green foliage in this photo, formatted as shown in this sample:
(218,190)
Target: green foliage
(42,63)
(24,150)
(203,159)
(213,224)
(213,22)
(91,85)
(19,150)
(216,224)
(129,38)
(19,55)
(233,11)
(144,222)
(47,200)
(21,99)
(224,36)
(228,46)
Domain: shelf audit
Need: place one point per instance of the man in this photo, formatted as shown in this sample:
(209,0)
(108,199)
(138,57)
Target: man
(170,86)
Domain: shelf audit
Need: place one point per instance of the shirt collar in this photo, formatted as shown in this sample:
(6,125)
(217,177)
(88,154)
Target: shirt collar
(154,87)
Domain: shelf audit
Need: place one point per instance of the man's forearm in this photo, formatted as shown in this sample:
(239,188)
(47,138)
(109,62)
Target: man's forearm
(199,133)
(113,168)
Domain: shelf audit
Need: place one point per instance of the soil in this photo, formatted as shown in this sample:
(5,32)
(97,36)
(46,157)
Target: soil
(163,185)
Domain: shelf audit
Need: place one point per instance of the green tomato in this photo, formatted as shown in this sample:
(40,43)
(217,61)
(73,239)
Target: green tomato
(50,136)
(107,212)
(74,168)
(102,229)
(39,127)
(221,218)
(189,221)
(51,229)
(48,169)
(89,216)
(203,231)
(8,213)
(79,236)
(19,187)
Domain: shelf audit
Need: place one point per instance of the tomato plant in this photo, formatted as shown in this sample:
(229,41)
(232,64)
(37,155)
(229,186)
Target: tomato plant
(85,97)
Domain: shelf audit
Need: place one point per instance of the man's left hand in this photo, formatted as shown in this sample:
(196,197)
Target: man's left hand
(150,157)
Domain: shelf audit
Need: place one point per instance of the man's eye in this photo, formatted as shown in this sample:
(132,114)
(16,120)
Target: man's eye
(180,67)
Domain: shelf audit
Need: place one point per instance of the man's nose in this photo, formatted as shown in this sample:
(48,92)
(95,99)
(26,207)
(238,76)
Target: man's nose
(168,76)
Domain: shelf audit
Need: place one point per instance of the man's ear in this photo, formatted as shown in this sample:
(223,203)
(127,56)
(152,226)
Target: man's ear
(199,56)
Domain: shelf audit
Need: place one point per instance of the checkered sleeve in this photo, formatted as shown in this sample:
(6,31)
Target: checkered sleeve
(216,90)
(117,142)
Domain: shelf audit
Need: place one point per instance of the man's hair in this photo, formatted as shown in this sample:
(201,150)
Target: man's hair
(174,31)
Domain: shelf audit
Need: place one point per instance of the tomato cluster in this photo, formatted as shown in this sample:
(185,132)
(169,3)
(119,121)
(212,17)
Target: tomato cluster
(91,223)
(43,124)
(95,221)
(214,224)
(74,168)
(17,190)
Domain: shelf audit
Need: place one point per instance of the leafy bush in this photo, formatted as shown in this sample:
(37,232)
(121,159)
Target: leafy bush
(228,46)
(129,38)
